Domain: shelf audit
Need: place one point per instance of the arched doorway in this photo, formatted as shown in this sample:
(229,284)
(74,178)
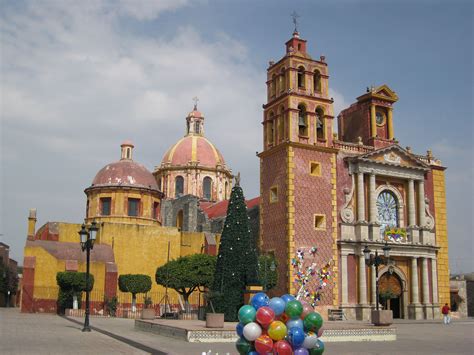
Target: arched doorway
(391,294)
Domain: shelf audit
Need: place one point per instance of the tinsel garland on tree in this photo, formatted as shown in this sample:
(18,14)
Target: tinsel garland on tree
(237,261)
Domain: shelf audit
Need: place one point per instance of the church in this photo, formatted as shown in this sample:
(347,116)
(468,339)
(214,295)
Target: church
(341,192)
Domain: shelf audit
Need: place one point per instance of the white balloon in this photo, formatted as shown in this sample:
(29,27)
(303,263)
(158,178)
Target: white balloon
(310,341)
(252,331)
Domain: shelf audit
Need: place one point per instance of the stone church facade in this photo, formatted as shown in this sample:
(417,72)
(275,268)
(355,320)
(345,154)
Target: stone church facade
(337,191)
(347,190)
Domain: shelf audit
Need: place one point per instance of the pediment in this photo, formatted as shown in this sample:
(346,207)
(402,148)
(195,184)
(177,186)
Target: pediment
(393,155)
(385,91)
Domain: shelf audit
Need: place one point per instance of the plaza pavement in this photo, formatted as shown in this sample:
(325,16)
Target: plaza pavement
(51,334)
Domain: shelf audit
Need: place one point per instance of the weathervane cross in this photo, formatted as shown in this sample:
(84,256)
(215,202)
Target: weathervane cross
(195,99)
(295,20)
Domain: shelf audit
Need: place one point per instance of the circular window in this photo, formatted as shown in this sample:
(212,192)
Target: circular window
(379,118)
(387,208)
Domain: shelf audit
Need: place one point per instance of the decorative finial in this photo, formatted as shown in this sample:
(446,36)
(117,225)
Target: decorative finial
(295,20)
(237,179)
(195,99)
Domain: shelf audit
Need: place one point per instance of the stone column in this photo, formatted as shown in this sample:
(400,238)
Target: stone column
(421,203)
(390,123)
(372,199)
(373,123)
(373,286)
(344,281)
(360,197)
(414,282)
(434,280)
(362,281)
(425,281)
(411,203)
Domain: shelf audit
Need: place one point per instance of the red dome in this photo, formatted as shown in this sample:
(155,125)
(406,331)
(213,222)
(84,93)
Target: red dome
(193,148)
(125,173)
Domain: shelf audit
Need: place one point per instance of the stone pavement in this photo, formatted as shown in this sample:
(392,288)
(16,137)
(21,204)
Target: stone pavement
(50,334)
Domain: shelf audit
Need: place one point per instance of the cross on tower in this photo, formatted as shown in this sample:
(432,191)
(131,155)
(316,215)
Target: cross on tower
(195,99)
(295,20)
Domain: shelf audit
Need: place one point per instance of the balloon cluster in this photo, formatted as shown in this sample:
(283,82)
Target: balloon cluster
(280,326)
(305,273)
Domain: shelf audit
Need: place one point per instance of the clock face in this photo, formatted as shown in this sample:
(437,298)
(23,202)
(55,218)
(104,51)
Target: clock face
(379,118)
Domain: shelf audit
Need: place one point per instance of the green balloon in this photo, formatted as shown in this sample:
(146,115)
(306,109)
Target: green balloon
(293,309)
(247,314)
(243,346)
(312,322)
(318,350)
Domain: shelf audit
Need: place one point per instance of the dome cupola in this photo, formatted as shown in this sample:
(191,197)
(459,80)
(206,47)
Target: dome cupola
(124,191)
(193,165)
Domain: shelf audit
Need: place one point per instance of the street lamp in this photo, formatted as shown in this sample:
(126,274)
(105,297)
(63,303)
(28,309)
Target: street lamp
(377,260)
(87,239)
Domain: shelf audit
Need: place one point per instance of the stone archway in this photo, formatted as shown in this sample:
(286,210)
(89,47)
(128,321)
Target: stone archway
(393,280)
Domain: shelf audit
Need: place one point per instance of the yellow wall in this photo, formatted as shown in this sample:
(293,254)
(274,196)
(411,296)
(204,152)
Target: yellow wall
(441,235)
(138,249)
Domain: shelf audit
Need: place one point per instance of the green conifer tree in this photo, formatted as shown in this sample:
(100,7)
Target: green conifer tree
(237,261)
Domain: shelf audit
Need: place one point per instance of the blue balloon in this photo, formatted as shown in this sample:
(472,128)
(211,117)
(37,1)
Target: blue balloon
(278,305)
(253,353)
(301,351)
(239,328)
(288,298)
(260,299)
(296,337)
(292,323)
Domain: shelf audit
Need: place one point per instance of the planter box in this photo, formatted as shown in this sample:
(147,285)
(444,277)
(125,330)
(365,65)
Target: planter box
(148,313)
(215,320)
(382,317)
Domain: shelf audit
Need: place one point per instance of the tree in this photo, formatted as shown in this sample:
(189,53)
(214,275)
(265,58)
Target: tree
(187,274)
(237,263)
(134,284)
(71,285)
(267,271)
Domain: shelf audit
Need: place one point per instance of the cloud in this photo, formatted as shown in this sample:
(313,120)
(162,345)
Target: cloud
(74,85)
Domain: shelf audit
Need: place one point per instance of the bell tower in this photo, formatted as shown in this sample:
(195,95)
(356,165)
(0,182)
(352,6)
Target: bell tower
(298,164)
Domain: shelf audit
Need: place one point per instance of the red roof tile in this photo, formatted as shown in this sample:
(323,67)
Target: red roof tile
(219,209)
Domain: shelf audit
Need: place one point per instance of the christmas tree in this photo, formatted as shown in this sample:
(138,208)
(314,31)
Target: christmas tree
(237,261)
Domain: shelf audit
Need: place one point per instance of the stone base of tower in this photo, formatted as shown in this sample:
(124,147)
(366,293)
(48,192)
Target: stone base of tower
(363,312)
(416,311)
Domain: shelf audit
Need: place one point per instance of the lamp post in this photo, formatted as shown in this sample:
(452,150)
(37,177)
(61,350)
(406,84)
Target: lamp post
(87,238)
(377,260)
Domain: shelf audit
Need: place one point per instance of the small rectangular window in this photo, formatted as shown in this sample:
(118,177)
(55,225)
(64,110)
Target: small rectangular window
(105,206)
(133,207)
(319,222)
(315,168)
(273,194)
(156,210)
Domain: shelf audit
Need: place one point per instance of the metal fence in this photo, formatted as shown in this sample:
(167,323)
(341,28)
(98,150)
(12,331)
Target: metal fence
(172,299)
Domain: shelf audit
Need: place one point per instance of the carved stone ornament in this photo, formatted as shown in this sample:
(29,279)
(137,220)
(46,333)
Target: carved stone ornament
(347,214)
(429,219)
(392,158)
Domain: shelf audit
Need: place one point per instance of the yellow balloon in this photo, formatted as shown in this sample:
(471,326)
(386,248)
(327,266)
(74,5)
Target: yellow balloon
(277,330)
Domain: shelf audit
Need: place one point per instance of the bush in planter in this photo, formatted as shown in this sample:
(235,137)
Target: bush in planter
(187,274)
(71,285)
(134,283)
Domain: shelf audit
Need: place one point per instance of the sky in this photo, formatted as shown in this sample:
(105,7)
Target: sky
(78,78)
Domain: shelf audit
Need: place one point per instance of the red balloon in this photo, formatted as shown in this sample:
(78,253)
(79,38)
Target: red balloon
(282,347)
(265,315)
(307,309)
(264,344)
(284,318)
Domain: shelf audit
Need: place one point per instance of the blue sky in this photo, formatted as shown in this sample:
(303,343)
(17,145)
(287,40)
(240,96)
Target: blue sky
(77,78)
